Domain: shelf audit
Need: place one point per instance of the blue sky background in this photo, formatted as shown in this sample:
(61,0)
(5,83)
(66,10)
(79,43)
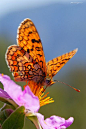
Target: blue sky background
(7,6)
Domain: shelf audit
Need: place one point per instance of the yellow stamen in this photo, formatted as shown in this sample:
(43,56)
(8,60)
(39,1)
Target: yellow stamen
(39,92)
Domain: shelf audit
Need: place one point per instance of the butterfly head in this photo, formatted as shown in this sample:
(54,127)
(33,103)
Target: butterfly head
(49,82)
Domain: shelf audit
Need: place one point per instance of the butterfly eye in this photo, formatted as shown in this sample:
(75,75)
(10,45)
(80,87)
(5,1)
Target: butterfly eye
(47,82)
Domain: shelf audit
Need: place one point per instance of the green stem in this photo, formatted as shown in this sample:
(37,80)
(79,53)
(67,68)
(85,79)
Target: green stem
(34,119)
(36,122)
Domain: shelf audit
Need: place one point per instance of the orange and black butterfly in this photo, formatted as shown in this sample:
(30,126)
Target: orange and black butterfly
(26,60)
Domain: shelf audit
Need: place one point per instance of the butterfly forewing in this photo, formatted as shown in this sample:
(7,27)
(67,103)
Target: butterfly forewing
(54,65)
(28,38)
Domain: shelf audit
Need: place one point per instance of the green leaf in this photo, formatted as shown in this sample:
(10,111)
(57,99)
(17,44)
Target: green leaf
(2,117)
(8,101)
(34,119)
(4,114)
(8,112)
(15,120)
(5,100)
(6,106)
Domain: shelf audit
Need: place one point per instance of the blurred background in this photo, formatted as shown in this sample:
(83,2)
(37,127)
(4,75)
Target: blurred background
(62,28)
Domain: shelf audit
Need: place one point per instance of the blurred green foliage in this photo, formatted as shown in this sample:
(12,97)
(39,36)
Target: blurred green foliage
(67,101)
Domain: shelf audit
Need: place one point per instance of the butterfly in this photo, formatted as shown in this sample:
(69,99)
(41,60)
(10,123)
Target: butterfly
(26,60)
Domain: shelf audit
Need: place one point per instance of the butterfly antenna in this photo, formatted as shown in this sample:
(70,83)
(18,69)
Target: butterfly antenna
(68,85)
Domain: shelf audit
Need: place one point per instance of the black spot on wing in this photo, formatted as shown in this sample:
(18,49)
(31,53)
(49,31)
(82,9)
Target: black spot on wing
(37,41)
(38,48)
(28,50)
(39,55)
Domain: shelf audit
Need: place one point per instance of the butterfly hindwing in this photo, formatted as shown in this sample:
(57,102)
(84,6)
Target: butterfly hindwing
(22,65)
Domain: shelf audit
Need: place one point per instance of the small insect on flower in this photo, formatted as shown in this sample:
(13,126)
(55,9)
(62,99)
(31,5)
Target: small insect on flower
(26,60)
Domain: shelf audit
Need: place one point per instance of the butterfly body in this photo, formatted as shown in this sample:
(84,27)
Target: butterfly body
(26,60)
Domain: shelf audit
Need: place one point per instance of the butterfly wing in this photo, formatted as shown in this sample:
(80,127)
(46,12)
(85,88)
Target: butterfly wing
(28,38)
(54,65)
(27,60)
(22,66)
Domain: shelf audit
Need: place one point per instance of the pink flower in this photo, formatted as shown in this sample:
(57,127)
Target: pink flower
(31,103)
(22,98)
(54,122)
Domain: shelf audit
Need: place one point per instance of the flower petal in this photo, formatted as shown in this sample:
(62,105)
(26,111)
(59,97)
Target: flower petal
(29,99)
(59,122)
(42,122)
(54,122)
(4,94)
(23,98)
(69,121)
